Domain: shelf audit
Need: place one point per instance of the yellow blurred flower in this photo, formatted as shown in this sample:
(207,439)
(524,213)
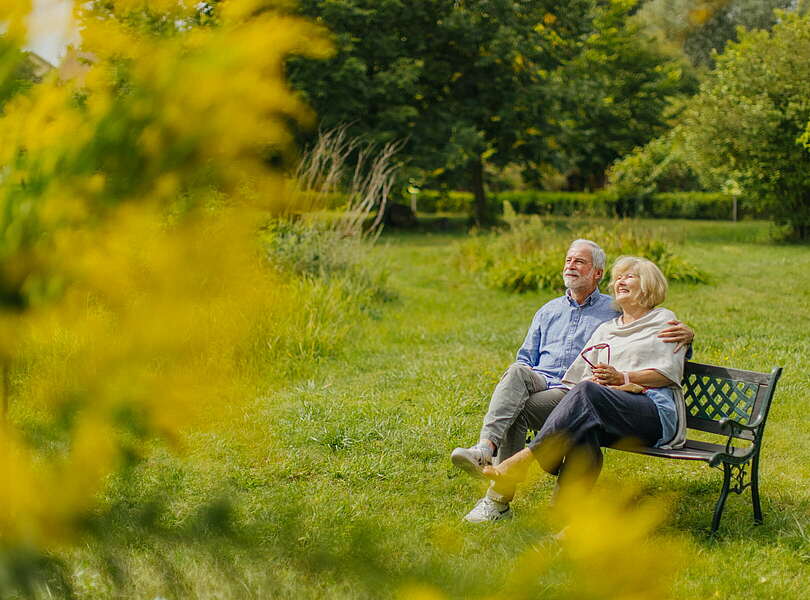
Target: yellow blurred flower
(133,281)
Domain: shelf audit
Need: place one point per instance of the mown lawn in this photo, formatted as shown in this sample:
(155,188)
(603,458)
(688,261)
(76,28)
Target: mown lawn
(342,482)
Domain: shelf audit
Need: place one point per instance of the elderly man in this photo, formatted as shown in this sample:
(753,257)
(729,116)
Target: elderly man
(531,387)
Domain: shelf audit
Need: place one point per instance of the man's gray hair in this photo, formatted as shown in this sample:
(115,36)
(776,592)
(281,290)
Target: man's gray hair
(599,257)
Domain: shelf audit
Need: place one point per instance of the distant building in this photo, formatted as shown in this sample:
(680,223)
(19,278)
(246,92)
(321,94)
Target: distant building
(73,67)
(38,65)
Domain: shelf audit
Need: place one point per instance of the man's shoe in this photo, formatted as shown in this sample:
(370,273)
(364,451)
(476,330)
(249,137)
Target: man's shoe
(472,460)
(488,510)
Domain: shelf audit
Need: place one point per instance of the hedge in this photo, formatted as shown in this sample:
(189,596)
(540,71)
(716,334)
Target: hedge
(672,205)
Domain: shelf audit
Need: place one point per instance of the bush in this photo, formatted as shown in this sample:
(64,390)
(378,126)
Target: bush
(528,256)
(688,205)
(659,166)
(524,202)
(315,252)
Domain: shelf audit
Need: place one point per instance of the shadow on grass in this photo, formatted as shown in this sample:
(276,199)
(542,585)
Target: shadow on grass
(694,503)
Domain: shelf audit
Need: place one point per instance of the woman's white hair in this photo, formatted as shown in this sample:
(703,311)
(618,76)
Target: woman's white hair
(598,255)
(652,280)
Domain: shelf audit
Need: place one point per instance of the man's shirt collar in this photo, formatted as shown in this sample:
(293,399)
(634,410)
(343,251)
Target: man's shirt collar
(588,301)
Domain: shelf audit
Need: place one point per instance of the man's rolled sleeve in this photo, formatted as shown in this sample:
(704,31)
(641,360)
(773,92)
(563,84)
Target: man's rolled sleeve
(529,353)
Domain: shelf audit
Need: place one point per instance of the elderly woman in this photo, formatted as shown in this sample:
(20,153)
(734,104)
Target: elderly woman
(625,386)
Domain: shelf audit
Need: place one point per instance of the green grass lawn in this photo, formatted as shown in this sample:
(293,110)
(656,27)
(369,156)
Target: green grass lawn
(342,483)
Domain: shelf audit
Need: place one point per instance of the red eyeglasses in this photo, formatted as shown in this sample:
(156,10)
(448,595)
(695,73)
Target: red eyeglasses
(596,347)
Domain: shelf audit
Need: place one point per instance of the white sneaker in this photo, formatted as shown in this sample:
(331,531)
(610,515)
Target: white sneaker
(472,460)
(488,510)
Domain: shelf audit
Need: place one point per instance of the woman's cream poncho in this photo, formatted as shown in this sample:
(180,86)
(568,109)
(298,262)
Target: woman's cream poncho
(636,347)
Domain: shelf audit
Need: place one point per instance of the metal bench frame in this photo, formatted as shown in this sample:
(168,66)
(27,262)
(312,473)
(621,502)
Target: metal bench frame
(728,402)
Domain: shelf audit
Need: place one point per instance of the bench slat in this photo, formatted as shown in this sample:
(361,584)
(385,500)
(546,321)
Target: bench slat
(692,450)
(727,373)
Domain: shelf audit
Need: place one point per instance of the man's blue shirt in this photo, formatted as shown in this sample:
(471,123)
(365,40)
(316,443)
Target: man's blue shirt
(559,331)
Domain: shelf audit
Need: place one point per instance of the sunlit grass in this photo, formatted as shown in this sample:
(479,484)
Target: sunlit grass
(342,483)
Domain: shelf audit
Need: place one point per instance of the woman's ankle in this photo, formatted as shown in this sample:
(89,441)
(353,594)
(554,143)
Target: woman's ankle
(502,495)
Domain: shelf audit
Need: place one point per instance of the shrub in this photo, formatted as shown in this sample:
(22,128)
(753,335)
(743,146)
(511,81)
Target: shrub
(528,256)
(563,204)
(659,166)
(688,205)
(431,201)
(315,251)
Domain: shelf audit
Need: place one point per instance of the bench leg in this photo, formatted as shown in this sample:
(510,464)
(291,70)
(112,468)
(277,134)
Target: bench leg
(755,490)
(718,509)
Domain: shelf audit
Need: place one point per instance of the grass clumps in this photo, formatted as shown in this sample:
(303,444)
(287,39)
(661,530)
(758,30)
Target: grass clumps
(314,251)
(528,254)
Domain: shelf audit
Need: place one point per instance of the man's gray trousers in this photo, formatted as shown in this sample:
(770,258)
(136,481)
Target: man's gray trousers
(521,401)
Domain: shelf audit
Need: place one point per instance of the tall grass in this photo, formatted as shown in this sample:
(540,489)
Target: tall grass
(333,254)
(357,172)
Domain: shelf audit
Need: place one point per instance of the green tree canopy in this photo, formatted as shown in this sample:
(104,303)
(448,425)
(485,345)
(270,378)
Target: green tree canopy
(613,95)
(474,80)
(747,123)
(462,81)
(699,28)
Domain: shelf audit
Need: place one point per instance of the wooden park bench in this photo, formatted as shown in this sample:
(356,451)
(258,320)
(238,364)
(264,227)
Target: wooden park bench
(731,403)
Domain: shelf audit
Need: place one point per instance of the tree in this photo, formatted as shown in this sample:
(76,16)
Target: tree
(464,82)
(613,95)
(495,82)
(698,28)
(747,123)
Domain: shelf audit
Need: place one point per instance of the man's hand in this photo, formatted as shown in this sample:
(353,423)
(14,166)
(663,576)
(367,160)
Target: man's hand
(679,334)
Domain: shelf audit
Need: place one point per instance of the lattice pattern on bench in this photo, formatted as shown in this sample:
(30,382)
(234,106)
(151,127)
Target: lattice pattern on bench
(714,398)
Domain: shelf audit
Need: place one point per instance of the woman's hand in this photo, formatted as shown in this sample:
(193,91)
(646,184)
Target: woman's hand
(633,388)
(606,375)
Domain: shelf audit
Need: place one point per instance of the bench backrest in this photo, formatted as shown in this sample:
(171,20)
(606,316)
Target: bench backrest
(712,393)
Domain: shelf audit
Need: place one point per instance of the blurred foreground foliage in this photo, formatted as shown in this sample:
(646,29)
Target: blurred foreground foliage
(136,305)
(526,255)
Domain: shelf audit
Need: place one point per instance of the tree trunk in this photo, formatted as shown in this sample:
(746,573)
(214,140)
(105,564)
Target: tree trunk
(480,208)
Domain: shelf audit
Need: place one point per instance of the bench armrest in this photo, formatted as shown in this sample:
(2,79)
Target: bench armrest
(737,427)
(727,457)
